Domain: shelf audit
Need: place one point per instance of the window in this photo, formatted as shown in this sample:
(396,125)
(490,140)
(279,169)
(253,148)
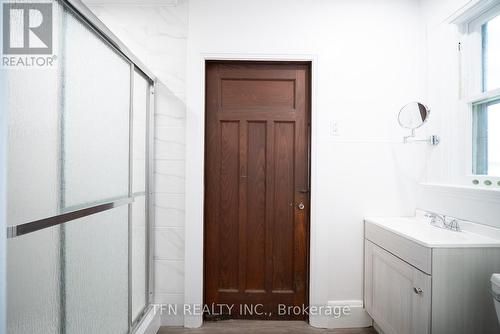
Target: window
(486,138)
(490,33)
(484,86)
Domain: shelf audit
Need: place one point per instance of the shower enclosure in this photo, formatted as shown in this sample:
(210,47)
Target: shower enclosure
(79,183)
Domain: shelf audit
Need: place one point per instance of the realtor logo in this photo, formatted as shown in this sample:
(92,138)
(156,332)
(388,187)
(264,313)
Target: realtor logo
(27,35)
(27,28)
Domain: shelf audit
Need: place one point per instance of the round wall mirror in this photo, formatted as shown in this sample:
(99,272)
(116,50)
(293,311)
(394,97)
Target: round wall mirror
(413,115)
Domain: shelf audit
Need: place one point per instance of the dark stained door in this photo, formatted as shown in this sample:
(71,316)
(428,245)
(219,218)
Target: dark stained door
(256,188)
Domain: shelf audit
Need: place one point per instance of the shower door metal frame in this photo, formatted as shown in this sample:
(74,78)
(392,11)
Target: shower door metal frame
(149,193)
(130,189)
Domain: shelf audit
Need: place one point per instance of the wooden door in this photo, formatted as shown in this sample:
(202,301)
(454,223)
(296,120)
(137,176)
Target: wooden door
(257,188)
(397,295)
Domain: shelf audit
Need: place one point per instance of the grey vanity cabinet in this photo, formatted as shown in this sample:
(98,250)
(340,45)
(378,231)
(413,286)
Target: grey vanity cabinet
(397,295)
(414,289)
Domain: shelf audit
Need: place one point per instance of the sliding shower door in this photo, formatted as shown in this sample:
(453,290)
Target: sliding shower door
(95,169)
(32,99)
(78,187)
(139,214)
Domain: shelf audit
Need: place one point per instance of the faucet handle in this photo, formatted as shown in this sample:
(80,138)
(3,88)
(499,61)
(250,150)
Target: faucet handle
(454,225)
(431,216)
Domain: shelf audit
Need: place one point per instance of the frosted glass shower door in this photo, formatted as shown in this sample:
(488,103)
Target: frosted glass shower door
(33,283)
(96,108)
(95,169)
(78,175)
(31,97)
(139,229)
(95,273)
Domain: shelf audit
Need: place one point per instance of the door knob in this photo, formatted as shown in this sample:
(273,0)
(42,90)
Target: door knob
(301,206)
(418,291)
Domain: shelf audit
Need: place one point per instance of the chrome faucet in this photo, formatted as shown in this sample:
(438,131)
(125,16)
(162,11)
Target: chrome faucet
(441,221)
(436,219)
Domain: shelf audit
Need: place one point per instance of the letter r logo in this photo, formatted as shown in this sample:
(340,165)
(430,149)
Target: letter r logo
(27,28)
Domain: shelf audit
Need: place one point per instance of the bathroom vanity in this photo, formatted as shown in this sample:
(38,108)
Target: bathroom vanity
(422,279)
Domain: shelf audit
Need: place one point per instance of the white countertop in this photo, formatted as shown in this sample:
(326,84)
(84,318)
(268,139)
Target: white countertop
(420,231)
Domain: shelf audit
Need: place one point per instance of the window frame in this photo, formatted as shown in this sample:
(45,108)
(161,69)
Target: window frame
(472,90)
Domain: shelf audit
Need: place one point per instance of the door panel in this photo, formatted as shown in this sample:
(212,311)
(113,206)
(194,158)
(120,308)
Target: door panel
(256,171)
(390,295)
(256,206)
(258,94)
(229,189)
(284,208)
(421,304)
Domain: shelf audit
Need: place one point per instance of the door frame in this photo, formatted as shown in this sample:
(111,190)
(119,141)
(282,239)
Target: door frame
(195,169)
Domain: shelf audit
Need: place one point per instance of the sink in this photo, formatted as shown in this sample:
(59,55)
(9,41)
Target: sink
(419,230)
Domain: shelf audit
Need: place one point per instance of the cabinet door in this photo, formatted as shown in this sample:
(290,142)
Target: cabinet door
(397,295)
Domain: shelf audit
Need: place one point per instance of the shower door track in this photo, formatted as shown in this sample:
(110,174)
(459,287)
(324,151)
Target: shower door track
(79,8)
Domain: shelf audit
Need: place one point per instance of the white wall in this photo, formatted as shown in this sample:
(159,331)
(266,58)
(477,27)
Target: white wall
(157,33)
(442,87)
(446,166)
(368,63)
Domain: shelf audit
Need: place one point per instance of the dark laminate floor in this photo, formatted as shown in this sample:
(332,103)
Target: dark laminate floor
(263,327)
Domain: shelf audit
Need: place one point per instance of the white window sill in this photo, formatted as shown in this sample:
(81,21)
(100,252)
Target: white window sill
(481,193)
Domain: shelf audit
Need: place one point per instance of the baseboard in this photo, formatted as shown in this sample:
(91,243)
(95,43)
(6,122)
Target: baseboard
(356,318)
(150,323)
(193,321)
(377,328)
(172,320)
